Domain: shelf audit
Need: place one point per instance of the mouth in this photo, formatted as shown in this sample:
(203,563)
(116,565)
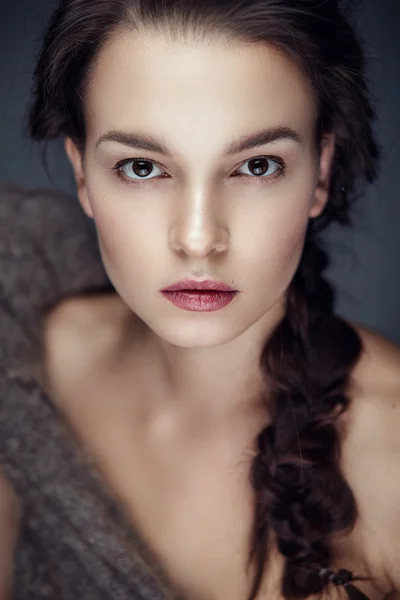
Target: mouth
(199,300)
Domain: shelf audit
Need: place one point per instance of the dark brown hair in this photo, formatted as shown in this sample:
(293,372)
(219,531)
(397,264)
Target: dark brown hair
(300,493)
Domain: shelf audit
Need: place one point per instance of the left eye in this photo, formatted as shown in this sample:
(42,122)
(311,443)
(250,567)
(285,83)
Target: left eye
(259,166)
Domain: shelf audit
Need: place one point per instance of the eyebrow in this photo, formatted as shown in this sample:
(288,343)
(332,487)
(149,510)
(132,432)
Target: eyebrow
(146,142)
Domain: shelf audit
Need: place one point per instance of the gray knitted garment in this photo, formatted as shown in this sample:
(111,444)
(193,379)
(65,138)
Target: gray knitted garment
(74,543)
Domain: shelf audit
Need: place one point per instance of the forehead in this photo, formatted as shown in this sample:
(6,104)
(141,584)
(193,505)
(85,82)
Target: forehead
(153,82)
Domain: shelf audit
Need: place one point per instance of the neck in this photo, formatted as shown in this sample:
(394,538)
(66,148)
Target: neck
(215,379)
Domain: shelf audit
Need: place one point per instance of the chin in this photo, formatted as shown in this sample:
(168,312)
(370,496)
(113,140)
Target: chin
(196,335)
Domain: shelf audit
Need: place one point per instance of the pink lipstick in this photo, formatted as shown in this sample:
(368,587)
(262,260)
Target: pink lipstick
(200,296)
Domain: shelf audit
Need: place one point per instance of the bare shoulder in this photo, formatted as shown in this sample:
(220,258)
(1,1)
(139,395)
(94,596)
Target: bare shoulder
(78,333)
(371,451)
(85,311)
(374,413)
(379,366)
(374,391)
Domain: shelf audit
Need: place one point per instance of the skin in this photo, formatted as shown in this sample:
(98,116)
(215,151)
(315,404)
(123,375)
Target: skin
(201,221)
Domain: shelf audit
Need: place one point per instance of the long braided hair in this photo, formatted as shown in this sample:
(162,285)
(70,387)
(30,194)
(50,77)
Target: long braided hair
(300,493)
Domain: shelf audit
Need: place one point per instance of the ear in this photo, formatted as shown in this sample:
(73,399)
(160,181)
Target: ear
(324,170)
(75,159)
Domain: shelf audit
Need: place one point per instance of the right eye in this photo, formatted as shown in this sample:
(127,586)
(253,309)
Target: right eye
(140,168)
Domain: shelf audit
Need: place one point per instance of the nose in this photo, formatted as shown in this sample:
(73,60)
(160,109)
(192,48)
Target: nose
(198,231)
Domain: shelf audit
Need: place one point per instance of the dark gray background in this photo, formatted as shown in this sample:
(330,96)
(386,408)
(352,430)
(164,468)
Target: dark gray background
(365,260)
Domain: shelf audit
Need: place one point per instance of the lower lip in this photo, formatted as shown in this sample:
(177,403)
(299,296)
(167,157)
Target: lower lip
(199,301)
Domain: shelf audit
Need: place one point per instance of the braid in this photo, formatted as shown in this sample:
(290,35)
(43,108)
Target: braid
(300,493)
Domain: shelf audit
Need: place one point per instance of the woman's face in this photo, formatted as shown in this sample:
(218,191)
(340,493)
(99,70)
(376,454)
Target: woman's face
(197,210)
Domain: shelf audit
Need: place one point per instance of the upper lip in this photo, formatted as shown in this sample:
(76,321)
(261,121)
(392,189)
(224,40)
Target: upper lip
(199,284)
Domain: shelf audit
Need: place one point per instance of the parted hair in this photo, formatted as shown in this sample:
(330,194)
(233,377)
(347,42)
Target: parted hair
(300,494)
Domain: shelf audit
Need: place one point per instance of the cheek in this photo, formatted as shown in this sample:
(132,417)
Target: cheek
(110,235)
(288,243)
(274,249)
(122,241)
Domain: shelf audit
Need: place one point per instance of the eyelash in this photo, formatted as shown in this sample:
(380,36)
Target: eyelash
(279,173)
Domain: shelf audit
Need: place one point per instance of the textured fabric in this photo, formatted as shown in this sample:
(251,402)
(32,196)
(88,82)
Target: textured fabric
(74,543)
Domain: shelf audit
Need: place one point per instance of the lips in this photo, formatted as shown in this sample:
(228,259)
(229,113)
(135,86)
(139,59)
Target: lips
(193,284)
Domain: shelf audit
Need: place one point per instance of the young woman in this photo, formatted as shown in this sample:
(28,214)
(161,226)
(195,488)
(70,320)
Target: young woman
(208,428)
